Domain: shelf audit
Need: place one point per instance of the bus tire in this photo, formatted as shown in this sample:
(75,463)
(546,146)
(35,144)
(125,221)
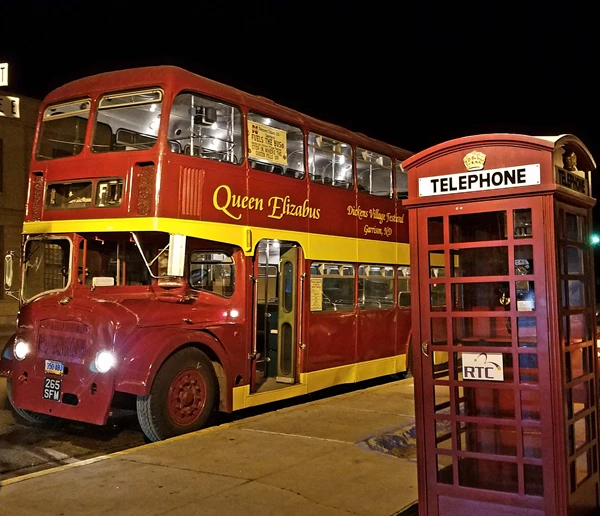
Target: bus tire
(183,396)
(33,418)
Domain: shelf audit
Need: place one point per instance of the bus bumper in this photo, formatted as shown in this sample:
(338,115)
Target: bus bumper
(79,394)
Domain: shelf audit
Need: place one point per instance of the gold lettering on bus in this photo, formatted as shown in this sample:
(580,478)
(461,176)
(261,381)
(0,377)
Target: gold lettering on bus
(376,214)
(357,212)
(224,200)
(384,231)
(283,206)
(231,200)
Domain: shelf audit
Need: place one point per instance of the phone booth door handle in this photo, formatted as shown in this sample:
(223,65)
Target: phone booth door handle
(425,348)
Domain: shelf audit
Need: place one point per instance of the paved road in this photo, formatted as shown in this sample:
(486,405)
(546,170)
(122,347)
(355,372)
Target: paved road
(25,449)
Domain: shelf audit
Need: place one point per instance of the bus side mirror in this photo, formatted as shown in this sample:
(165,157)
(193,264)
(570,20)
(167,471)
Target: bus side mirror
(8,271)
(9,275)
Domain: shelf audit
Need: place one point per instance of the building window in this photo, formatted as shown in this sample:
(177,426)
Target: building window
(1,165)
(2,249)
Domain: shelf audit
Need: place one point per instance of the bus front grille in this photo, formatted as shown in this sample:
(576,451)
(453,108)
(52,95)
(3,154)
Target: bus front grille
(63,340)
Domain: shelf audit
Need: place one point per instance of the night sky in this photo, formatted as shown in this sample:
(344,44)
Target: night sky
(410,75)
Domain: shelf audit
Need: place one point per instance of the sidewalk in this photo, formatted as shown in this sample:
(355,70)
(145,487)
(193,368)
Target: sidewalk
(352,454)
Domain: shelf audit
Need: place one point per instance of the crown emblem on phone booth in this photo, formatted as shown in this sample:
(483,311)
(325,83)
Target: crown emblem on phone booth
(474,160)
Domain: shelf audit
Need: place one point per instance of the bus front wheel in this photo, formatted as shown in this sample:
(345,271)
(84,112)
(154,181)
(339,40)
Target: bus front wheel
(33,418)
(182,398)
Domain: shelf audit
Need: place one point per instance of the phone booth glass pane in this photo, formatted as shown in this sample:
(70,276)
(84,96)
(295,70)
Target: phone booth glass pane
(485,355)
(578,340)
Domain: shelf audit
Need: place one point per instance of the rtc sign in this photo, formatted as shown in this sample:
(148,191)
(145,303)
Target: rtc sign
(483,366)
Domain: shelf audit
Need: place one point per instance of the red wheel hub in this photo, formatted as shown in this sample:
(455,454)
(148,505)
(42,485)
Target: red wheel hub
(187,397)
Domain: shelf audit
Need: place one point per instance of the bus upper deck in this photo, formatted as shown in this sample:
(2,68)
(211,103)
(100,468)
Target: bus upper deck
(165,143)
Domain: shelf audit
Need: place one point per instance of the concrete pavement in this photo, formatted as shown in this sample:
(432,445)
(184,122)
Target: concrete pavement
(351,454)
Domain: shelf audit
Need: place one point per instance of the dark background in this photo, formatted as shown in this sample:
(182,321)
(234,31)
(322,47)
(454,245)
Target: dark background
(411,74)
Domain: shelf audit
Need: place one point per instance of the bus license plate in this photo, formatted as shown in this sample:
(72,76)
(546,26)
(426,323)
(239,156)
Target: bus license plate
(52,389)
(54,367)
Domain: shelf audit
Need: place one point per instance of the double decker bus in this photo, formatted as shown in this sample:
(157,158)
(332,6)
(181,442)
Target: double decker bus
(188,248)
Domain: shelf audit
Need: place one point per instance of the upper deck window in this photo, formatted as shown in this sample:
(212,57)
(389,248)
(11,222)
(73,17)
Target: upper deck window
(63,129)
(200,126)
(275,146)
(127,121)
(330,161)
(373,173)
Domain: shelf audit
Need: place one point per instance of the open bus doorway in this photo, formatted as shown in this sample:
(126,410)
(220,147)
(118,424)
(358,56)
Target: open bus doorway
(276,309)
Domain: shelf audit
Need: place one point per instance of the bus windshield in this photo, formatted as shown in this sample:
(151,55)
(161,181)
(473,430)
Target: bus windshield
(127,121)
(45,266)
(63,129)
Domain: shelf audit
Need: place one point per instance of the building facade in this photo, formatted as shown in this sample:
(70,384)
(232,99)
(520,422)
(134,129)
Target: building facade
(16,140)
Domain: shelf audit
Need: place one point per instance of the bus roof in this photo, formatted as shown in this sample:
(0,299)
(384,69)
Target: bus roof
(177,79)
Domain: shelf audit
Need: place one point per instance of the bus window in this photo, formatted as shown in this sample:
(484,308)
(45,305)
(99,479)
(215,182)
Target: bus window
(275,146)
(133,119)
(373,173)
(62,196)
(337,285)
(115,257)
(63,129)
(46,266)
(203,127)
(404,286)
(375,287)
(401,181)
(212,271)
(330,162)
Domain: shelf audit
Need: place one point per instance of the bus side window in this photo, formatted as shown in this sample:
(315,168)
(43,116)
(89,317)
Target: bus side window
(206,128)
(274,146)
(212,271)
(330,162)
(404,286)
(373,173)
(401,182)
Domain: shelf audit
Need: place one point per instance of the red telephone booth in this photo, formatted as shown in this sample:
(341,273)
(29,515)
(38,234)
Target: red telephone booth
(504,346)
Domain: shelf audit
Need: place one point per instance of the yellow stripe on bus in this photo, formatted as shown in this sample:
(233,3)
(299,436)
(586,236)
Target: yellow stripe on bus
(317,380)
(315,246)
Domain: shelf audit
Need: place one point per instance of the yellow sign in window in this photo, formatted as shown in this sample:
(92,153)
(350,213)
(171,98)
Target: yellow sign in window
(266,143)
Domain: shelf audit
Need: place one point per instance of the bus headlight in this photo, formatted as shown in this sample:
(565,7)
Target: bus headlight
(105,361)
(20,348)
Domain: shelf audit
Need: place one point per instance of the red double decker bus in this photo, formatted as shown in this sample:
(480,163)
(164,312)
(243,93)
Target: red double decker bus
(188,247)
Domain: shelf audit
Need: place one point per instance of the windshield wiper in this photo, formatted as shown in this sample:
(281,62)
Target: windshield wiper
(148,265)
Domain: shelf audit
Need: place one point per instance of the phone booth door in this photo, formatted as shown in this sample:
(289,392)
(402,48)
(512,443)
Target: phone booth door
(484,333)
